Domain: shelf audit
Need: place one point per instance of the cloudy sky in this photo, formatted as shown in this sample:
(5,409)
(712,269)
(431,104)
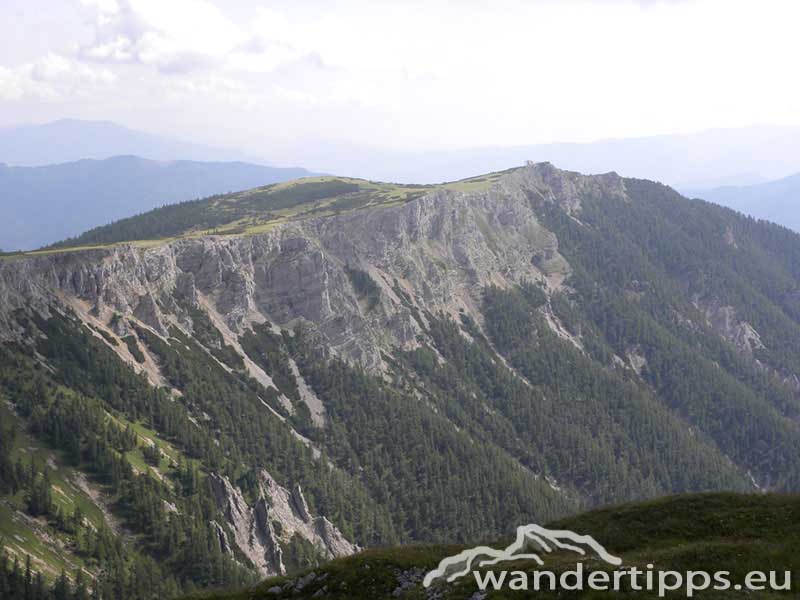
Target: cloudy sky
(259,74)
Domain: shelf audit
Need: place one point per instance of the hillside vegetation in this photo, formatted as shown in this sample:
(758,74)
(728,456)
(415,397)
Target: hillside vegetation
(346,362)
(707,532)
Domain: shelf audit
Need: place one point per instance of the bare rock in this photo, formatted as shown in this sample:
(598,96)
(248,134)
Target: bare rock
(439,250)
(254,527)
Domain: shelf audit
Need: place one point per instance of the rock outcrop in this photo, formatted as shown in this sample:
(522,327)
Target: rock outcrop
(724,321)
(263,530)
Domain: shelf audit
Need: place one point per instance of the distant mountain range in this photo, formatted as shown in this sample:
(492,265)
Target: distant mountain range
(776,201)
(727,166)
(69,140)
(41,205)
(708,159)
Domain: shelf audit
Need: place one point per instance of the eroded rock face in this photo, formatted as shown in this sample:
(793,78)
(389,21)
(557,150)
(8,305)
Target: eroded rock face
(433,254)
(222,538)
(724,321)
(255,537)
(262,531)
(430,255)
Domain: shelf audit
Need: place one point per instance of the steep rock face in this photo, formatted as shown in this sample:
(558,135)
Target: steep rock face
(262,531)
(433,254)
(256,539)
(724,321)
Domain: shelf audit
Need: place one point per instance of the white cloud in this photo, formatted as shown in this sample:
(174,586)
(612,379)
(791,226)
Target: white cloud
(56,69)
(181,36)
(426,73)
(10,88)
(50,78)
(174,36)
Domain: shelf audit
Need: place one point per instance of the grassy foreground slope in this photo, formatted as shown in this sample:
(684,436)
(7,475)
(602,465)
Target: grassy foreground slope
(700,532)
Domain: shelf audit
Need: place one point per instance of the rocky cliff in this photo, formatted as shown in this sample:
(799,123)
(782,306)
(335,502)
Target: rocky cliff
(431,255)
(531,341)
(262,530)
(428,255)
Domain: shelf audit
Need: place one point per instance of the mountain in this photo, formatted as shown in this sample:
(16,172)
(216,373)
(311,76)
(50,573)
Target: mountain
(706,159)
(709,532)
(703,160)
(41,205)
(70,140)
(250,384)
(776,201)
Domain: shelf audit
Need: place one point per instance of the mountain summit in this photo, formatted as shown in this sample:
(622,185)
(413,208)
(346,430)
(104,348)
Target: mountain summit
(429,363)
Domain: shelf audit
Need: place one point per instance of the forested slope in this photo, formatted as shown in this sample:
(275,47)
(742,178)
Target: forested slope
(434,364)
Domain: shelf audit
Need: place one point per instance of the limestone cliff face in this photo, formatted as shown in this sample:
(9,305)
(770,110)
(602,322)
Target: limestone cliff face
(430,254)
(263,530)
(723,320)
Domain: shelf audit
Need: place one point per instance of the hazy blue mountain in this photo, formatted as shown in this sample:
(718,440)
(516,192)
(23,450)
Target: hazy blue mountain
(776,201)
(707,159)
(41,205)
(69,140)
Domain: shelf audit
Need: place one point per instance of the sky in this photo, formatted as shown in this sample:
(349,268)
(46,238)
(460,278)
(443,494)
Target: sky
(260,75)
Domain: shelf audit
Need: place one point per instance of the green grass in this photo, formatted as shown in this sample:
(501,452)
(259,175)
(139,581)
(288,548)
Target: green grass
(710,532)
(62,476)
(23,535)
(253,212)
(171,456)
(22,538)
(146,433)
(49,548)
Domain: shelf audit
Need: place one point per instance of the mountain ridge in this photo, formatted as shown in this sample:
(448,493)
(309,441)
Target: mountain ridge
(44,204)
(429,363)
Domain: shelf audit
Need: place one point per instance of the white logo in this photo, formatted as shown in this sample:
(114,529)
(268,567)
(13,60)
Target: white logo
(528,538)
